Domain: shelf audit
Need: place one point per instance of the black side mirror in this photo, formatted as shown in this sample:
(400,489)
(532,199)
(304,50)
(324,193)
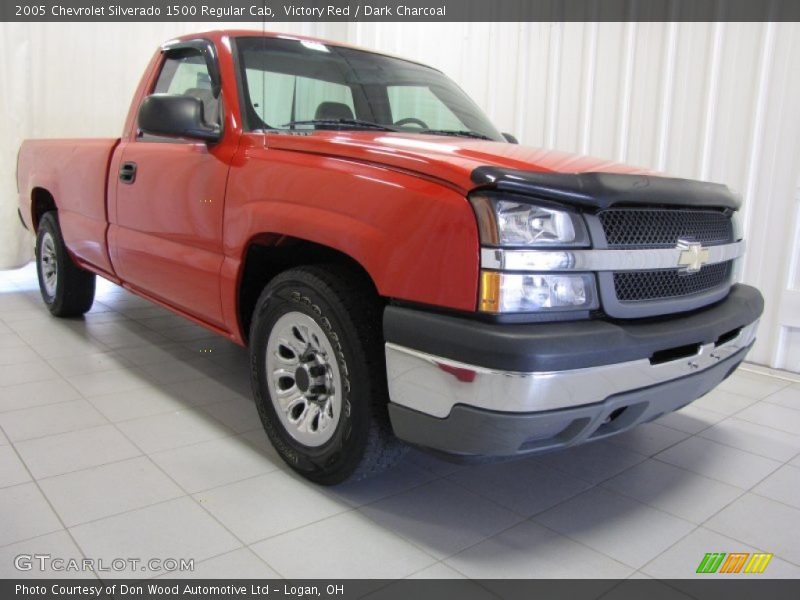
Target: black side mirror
(510,138)
(172,115)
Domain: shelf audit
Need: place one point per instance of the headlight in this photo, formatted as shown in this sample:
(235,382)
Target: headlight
(503,221)
(534,292)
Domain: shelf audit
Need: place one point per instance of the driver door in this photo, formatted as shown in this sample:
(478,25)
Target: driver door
(170,202)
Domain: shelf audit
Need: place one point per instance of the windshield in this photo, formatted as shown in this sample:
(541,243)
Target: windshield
(293,85)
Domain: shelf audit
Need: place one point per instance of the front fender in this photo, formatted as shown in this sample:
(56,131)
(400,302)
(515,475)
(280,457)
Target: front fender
(416,238)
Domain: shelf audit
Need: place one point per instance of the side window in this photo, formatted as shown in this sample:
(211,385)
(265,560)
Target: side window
(419,102)
(278,98)
(186,74)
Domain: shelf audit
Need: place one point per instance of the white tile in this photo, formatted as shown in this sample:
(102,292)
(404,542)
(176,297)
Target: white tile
(66,452)
(592,462)
(174,371)
(206,390)
(240,415)
(106,490)
(692,419)
(172,430)
(52,344)
(36,393)
(82,364)
(51,419)
(3,439)
(399,478)
(624,529)
(529,550)
(525,486)
(113,381)
(788,397)
(674,490)
(26,514)
(724,401)
(125,335)
(796,461)
(239,564)
(766,524)
(437,571)
(214,463)
(269,504)
(12,470)
(36,370)
(10,341)
(164,321)
(756,439)
(174,529)
(441,517)
(648,438)
(751,384)
(681,561)
(151,354)
(52,545)
(719,462)
(187,332)
(352,546)
(17,356)
(783,485)
(773,415)
(137,403)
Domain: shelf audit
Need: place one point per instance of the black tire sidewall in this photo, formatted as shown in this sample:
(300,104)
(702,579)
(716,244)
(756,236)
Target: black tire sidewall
(339,456)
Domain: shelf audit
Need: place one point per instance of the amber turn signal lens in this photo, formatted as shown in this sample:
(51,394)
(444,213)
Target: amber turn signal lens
(489,300)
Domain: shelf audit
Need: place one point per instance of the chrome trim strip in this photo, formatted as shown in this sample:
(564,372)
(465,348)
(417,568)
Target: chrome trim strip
(600,260)
(433,385)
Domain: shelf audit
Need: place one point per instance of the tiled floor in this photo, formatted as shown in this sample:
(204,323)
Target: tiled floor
(131,433)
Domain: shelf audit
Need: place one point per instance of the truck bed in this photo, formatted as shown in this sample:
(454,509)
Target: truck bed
(75,172)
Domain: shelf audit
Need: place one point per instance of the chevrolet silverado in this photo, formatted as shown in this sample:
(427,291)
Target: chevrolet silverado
(401,272)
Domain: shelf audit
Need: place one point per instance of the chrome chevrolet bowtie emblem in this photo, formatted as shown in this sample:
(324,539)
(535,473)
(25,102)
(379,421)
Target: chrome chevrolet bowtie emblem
(692,257)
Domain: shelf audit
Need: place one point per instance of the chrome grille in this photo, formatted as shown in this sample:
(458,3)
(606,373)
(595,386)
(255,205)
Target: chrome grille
(662,228)
(638,286)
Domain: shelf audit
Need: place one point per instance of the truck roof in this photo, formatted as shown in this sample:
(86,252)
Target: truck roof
(216,35)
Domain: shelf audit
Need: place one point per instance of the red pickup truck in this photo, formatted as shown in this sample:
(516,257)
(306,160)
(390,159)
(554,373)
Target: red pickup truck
(398,268)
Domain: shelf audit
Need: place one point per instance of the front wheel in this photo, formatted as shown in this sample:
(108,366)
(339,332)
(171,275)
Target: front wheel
(319,376)
(67,290)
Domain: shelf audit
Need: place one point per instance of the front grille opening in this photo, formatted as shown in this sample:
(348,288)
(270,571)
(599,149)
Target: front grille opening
(665,356)
(660,228)
(727,337)
(638,286)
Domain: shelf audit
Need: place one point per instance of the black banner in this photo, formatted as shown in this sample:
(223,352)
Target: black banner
(399,10)
(739,588)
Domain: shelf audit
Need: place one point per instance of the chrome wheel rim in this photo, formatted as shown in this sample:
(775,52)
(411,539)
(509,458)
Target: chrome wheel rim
(303,379)
(48,264)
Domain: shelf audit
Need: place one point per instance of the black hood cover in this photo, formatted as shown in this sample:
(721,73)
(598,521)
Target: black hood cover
(604,190)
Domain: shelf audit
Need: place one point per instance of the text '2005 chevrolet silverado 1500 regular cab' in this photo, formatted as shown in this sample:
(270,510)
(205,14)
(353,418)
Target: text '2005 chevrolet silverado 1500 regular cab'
(399,269)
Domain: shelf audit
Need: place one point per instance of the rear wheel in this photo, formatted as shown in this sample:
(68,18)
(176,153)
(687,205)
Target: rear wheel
(319,375)
(67,290)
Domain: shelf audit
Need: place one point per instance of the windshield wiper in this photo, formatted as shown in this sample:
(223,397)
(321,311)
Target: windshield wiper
(457,132)
(341,123)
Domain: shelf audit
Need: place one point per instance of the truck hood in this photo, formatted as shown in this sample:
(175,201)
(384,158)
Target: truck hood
(468,164)
(449,158)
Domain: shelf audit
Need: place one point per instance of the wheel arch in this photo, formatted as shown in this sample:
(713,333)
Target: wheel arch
(268,254)
(42,201)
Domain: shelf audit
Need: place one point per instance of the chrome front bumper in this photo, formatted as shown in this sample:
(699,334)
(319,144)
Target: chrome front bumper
(434,385)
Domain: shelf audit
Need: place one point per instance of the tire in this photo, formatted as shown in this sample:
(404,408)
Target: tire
(67,290)
(319,374)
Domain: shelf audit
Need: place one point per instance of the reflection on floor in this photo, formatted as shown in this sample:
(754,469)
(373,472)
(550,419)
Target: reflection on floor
(132,433)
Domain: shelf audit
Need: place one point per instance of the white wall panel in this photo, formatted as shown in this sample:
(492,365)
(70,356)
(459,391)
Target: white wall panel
(717,101)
